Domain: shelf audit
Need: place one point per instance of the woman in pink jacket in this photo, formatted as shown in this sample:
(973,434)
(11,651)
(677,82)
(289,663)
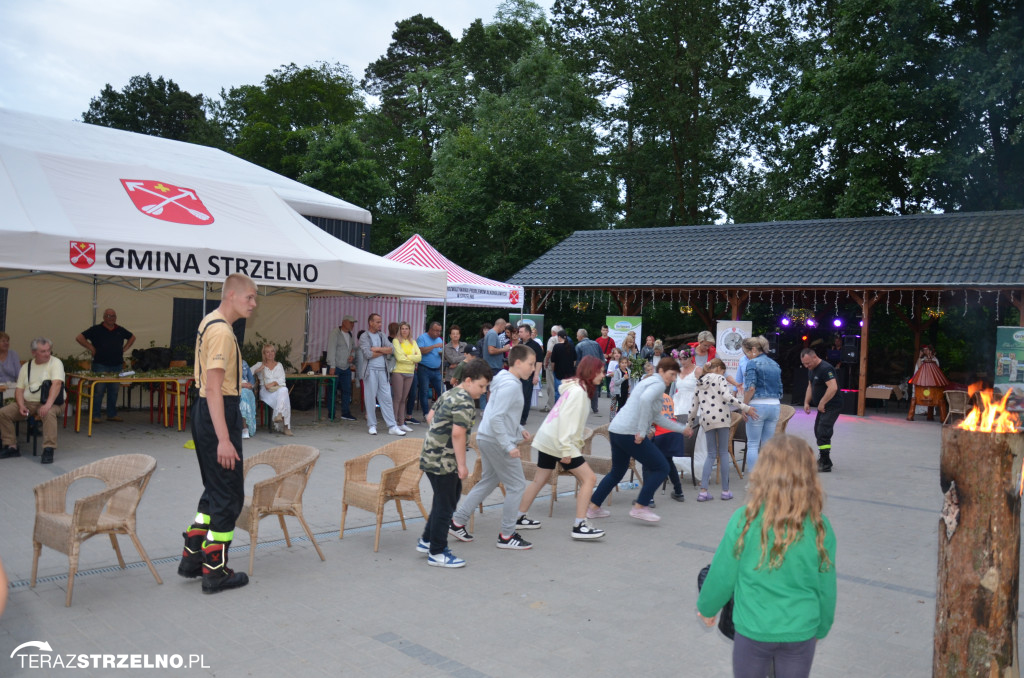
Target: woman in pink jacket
(560,441)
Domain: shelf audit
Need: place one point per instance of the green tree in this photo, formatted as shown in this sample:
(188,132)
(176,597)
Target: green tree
(890,107)
(404,130)
(273,123)
(520,176)
(158,108)
(676,81)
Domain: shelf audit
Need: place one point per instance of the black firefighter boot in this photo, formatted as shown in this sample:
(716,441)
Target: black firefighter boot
(825,461)
(191,565)
(217,576)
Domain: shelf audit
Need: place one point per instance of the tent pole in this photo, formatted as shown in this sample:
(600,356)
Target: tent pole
(95,294)
(305,332)
(444,317)
(204,298)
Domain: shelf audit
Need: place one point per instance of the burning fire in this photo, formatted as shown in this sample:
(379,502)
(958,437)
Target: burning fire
(989,416)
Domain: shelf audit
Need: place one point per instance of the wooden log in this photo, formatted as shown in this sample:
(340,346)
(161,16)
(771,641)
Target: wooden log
(979,556)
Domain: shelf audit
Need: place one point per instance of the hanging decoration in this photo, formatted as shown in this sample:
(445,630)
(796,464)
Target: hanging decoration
(686,310)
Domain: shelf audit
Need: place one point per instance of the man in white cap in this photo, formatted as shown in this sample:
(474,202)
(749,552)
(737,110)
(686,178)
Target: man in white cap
(341,356)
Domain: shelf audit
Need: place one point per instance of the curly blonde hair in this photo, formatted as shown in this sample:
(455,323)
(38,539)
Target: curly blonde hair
(784,487)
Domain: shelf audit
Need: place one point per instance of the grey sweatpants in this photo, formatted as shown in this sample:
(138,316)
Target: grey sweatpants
(377,387)
(498,467)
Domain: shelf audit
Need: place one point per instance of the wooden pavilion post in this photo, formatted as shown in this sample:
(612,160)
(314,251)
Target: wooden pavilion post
(1016,298)
(736,299)
(866,302)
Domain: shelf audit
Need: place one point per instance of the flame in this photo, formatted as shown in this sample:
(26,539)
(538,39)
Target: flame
(989,416)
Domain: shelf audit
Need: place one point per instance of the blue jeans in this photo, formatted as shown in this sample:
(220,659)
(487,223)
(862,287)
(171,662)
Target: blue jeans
(110,389)
(429,379)
(345,384)
(655,467)
(760,429)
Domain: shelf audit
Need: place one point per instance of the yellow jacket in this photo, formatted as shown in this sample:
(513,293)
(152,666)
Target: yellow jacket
(407,354)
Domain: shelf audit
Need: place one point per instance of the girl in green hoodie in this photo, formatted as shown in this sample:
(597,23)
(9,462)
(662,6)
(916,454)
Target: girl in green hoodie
(777,560)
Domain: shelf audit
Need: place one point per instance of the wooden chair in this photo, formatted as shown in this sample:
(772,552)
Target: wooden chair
(110,511)
(737,435)
(958,403)
(786,413)
(602,466)
(402,481)
(280,495)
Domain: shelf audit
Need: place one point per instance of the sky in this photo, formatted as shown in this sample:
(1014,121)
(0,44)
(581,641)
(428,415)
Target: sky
(56,55)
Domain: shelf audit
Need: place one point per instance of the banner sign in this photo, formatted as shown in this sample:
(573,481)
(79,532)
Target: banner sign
(1009,371)
(729,348)
(620,325)
(533,321)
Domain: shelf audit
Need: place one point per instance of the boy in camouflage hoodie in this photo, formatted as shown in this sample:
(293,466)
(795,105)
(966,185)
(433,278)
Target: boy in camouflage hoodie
(443,459)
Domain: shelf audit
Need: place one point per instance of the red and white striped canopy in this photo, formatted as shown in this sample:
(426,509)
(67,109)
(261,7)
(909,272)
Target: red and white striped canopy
(464,288)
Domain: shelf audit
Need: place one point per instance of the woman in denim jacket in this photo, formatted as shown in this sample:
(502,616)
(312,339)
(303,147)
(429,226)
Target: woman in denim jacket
(763,389)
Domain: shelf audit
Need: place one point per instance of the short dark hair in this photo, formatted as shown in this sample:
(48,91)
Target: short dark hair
(524,326)
(372,316)
(519,353)
(476,369)
(668,364)
(431,325)
(808,351)
(455,327)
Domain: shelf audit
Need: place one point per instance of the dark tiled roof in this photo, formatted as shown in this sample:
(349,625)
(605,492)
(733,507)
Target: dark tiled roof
(926,250)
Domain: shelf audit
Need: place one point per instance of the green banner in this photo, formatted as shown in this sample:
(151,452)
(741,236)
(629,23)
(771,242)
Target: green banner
(1009,370)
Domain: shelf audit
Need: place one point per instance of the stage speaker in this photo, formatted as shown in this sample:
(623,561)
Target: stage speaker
(851,349)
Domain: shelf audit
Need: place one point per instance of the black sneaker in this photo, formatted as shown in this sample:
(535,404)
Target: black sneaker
(412,420)
(9,452)
(47,457)
(526,523)
(651,505)
(346,417)
(514,542)
(824,466)
(585,531)
(459,532)
(678,496)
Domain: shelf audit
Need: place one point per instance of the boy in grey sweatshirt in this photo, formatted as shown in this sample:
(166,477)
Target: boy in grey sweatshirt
(497,440)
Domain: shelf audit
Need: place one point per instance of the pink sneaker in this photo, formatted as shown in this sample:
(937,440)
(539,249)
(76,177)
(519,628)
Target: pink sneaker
(598,513)
(644,513)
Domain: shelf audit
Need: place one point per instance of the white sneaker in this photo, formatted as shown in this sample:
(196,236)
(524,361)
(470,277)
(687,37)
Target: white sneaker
(373,430)
(407,429)
(395,431)
(245,433)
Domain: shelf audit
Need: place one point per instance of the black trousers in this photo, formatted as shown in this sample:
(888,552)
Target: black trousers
(824,423)
(527,398)
(223,490)
(447,490)
(672,444)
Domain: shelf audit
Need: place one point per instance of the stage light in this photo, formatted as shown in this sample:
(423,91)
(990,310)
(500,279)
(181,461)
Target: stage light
(785,322)
(838,322)
(862,323)
(811,322)
(804,338)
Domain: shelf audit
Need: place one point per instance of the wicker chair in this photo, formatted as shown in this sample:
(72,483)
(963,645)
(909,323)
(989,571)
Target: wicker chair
(280,495)
(786,413)
(402,481)
(737,435)
(958,403)
(602,466)
(110,511)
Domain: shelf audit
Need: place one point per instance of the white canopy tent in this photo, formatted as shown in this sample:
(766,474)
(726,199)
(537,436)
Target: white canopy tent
(464,287)
(77,198)
(82,203)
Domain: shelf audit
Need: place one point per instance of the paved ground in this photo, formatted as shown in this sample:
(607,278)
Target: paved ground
(624,605)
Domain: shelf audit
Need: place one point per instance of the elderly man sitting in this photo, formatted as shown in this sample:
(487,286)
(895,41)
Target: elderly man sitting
(28,400)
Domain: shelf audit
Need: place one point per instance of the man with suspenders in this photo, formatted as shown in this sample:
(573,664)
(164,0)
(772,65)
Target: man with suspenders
(217,432)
